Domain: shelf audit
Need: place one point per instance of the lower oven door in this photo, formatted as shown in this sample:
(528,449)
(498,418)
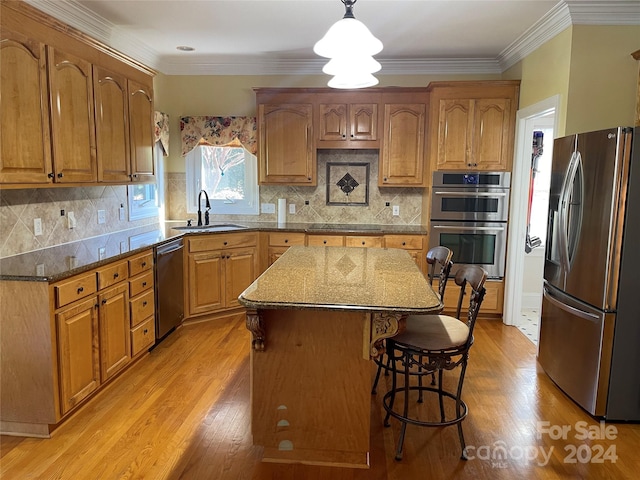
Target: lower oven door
(476,243)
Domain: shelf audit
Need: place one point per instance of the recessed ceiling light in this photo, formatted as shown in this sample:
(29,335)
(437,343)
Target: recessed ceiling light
(184,48)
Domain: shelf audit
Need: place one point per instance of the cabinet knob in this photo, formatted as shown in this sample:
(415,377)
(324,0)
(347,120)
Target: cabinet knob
(80,289)
(385,179)
(225,243)
(60,175)
(324,241)
(363,243)
(144,264)
(344,135)
(144,284)
(116,275)
(104,301)
(309,178)
(286,240)
(50,175)
(404,243)
(144,304)
(145,331)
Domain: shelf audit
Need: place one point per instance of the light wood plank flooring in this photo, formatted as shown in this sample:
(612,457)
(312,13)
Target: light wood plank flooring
(183,413)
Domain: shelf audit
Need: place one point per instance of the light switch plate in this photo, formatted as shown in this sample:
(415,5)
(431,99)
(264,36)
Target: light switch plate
(292,208)
(37,226)
(71,220)
(121,213)
(40,269)
(102,253)
(396,210)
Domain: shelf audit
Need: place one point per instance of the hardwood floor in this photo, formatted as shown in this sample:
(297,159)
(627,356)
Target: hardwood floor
(184,413)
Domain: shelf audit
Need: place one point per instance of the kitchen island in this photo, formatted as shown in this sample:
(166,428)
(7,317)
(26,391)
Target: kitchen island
(317,316)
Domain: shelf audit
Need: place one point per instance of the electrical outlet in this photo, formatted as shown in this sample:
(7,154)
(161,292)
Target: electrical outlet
(123,247)
(102,216)
(396,210)
(268,207)
(73,261)
(121,212)
(102,253)
(292,208)
(40,270)
(37,226)
(71,220)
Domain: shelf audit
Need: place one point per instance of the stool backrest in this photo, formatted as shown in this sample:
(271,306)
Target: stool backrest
(439,257)
(474,277)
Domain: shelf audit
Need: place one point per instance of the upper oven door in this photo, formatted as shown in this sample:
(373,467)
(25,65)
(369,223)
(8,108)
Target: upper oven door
(480,204)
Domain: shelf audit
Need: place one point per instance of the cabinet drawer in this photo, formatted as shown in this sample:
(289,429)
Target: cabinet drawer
(112,274)
(140,263)
(142,307)
(409,242)
(140,283)
(75,288)
(207,243)
(363,241)
(325,240)
(143,336)
(286,239)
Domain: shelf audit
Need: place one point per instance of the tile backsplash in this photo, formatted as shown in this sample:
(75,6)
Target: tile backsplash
(19,208)
(409,200)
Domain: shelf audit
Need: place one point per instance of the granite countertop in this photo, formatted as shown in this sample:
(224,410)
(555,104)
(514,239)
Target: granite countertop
(59,262)
(343,278)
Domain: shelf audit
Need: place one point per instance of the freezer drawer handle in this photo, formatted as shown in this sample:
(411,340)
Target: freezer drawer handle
(479,229)
(568,308)
(471,194)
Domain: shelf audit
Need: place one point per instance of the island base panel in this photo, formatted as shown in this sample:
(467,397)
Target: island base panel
(311,388)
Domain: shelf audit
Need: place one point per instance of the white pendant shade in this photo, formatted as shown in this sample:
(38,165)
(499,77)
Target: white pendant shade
(349,64)
(347,34)
(356,80)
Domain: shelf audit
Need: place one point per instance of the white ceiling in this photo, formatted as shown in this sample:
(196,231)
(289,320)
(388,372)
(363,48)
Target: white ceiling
(257,37)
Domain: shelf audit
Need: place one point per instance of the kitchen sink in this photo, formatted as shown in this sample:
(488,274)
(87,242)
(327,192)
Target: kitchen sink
(210,228)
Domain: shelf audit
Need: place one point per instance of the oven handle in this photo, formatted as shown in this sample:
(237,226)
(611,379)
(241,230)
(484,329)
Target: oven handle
(481,229)
(471,194)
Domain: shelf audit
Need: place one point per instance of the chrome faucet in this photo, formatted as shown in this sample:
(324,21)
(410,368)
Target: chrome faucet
(207,205)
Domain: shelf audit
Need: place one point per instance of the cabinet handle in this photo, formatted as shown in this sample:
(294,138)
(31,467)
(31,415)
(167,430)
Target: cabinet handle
(145,331)
(384,179)
(60,175)
(404,243)
(50,175)
(144,304)
(116,275)
(104,301)
(224,243)
(286,241)
(363,243)
(144,264)
(324,241)
(96,306)
(80,289)
(309,178)
(144,284)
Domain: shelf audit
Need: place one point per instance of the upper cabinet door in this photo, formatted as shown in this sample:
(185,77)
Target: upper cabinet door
(347,125)
(455,129)
(402,155)
(112,126)
(72,121)
(142,136)
(287,152)
(493,134)
(25,144)
(363,121)
(333,121)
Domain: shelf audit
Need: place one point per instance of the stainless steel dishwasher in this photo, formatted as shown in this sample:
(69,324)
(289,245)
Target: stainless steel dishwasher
(169,278)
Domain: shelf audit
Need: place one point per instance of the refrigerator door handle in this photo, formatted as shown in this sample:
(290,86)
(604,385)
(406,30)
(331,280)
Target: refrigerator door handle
(568,308)
(563,210)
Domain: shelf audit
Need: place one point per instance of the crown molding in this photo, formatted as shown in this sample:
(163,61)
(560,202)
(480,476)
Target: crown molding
(561,16)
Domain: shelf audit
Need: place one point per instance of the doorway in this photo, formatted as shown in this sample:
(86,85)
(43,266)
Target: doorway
(524,274)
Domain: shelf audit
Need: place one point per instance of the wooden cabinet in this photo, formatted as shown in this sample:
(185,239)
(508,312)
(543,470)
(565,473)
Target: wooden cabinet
(141,131)
(403,149)
(219,268)
(112,125)
(325,240)
(279,242)
(72,113)
(78,352)
(72,118)
(25,142)
(368,241)
(473,125)
(287,152)
(142,308)
(491,305)
(115,343)
(346,125)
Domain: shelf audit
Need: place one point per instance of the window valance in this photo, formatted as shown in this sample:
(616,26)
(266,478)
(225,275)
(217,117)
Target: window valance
(207,130)
(161,126)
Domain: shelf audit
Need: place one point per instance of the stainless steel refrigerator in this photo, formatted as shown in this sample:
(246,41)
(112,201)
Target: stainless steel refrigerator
(590,328)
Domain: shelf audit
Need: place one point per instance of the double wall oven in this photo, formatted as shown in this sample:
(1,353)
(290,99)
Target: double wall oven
(469,213)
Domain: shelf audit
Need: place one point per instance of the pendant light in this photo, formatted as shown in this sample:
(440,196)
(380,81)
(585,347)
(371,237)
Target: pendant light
(350,46)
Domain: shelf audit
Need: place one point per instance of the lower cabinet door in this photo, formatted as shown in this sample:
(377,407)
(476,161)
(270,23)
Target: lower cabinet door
(206,288)
(240,271)
(78,350)
(115,346)
(143,336)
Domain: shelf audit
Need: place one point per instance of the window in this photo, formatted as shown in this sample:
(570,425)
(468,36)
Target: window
(228,174)
(146,200)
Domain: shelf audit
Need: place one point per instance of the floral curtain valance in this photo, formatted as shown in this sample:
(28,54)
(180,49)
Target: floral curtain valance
(218,131)
(161,124)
